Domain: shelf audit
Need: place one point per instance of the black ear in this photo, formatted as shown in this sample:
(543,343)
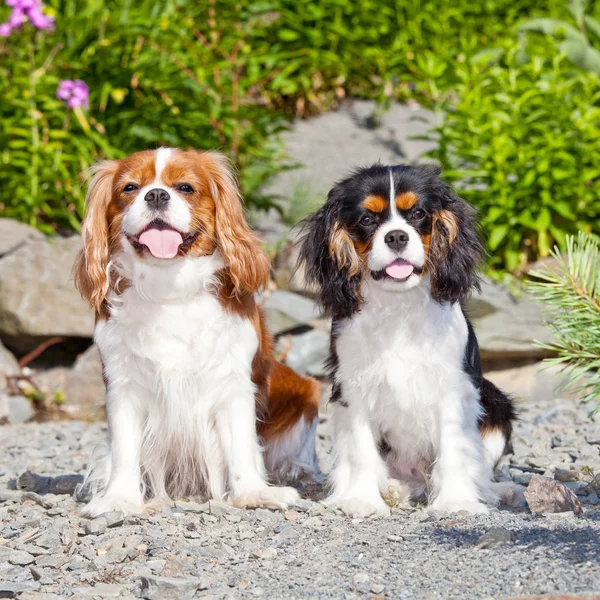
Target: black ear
(330,259)
(456,251)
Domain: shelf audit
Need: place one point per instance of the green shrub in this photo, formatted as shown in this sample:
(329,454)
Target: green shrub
(570,294)
(522,143)
(215,74)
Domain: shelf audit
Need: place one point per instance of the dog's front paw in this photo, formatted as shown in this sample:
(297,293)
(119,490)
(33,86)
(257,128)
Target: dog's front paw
(397,494)
(266,497)
(456,505)
(111,502)
(361,507)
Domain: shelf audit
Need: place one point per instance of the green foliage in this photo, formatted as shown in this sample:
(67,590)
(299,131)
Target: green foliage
(571,36)
(571,295)
(522,143)
(214,74)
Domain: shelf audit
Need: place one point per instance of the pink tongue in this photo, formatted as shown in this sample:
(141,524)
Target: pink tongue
(399,269)
(162,243)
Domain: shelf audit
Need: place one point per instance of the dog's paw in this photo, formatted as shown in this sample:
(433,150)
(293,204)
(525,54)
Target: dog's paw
(456,505)
(266,497)
(397,494)
(109,503)
(361,507)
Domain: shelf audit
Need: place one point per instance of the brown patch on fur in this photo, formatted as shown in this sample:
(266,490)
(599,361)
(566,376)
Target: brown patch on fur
(282,396)
(448,220)
(406,200)
(485,430)
(342,250)
(290,397)
(363,249)
(92,261)
(239,246)
(375,204)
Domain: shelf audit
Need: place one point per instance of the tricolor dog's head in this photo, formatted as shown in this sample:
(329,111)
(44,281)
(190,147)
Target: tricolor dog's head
(400,227)
(164,206)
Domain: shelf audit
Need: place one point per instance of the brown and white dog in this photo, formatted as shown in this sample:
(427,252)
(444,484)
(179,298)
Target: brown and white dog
(196,403)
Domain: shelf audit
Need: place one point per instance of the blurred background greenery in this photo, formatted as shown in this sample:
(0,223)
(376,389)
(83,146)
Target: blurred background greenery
(514,84)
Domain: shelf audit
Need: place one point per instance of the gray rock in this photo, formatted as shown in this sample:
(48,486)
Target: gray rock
(545,495)
(114,518)
(9,589)
(535,382)
(100,590)
(570,473)
(37,295)
(331,145)
(20,409)
(496,536)
(289,275)
(264,553)
(8,366)
(14,234)
(85,390)
(506,326)
(307,352)
(167,588)
(296,308)
(18,557)
(95,526)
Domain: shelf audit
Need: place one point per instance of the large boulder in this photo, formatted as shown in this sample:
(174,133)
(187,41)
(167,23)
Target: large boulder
(507,326)
(37,297)
(84,389)
(8,367)
(14,234)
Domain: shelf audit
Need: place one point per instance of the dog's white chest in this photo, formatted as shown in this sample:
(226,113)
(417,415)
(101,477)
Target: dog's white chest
(402,358)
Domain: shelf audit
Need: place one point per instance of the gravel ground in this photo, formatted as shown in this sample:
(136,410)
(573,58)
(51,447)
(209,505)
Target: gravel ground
(201,550)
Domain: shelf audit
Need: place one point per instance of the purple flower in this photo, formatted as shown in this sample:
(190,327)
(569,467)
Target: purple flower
(24,10)
(17,18)
(73,93)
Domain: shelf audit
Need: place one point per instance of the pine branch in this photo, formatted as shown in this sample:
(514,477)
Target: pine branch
(571,299)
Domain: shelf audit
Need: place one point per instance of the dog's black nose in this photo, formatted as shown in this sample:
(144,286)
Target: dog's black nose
(157,198)
(396,240)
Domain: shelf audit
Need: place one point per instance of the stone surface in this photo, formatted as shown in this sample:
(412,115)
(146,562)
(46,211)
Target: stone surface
(496,536)
(20,409)
(212,549)
(85,390)
(298,309)
(307,352)
(331,145)
(14,234)
(545,495)
(506,325)
(8,366)
(167,588)
(535,382)
(37,295)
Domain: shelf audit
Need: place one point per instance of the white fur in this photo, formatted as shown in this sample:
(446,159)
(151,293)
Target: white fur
(177,213)
(494,443)
(381,255)
(401,376)
(180,400)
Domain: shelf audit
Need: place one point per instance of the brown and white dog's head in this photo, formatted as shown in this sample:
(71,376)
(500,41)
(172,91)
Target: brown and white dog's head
(399,227)
(164,206)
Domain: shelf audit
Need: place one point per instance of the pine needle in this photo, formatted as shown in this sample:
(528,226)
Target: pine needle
(571,300)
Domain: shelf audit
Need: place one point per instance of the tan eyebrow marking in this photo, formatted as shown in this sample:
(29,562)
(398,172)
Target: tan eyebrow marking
(375,204)
(406,200)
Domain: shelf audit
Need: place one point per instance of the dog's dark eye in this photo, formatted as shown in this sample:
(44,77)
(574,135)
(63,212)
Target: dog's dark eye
(366,220)
(419,214)
(130,187)
(185,188)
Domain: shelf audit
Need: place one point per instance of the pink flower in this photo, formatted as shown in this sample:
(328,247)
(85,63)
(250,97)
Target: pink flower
(5,29)
(73,93)
(24,10)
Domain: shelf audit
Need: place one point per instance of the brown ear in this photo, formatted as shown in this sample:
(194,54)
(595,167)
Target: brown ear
(342,250)
(91,277)
(239,246)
